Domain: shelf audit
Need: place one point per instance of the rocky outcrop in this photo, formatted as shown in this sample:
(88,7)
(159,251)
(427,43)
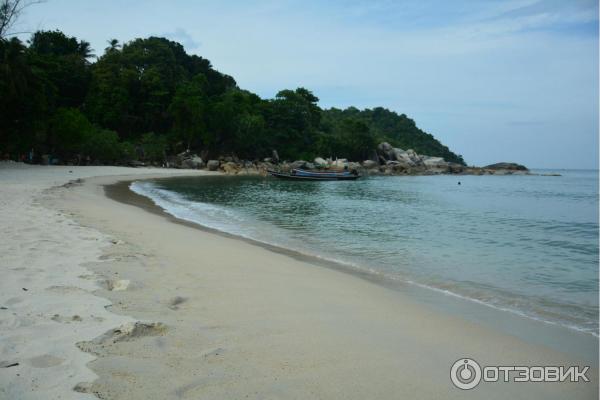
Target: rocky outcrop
(213,165)
(386,151)
(340,163)
(434,162)
(231,168)
(385,160)
(187,160)
(299,164)
(370,164)
(320,162)
(506,166)
(193,163)
(406,158)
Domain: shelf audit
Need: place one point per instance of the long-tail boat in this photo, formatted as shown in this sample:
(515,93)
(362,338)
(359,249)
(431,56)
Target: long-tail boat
(327,175)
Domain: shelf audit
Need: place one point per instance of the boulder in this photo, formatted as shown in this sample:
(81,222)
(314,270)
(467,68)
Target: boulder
(397,154)
(298,164)
(186,159)
(508,166)
(398,168)
(385,150)
(455,168)
(354,166)
(212,165)
(230,168)
(285,167)
(136,164)
(250,171)
(275,157)
(265,166)
(194,162)
(339,163)
(434,162)
(414,157)
(370,164)
(320,162)
(404,162)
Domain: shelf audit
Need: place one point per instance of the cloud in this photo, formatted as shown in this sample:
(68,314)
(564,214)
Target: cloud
(182,36)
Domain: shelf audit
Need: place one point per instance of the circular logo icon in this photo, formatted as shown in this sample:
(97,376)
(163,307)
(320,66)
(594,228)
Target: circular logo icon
(465,373)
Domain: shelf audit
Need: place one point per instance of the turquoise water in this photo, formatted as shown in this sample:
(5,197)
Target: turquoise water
(524,244)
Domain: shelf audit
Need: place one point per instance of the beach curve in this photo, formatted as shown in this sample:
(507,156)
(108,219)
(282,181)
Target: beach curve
(225,318)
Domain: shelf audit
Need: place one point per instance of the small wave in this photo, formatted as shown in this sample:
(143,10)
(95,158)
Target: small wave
(235,223)
(506,309)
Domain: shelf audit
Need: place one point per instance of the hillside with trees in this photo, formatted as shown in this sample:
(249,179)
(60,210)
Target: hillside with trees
(148,98)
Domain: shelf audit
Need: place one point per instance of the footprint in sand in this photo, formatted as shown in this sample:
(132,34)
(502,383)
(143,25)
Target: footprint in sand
(125,333)
(64,289)
(176,301)
(115,285)
(83,387)
(66,319)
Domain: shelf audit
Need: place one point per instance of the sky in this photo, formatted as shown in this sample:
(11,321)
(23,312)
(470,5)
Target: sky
(512,80)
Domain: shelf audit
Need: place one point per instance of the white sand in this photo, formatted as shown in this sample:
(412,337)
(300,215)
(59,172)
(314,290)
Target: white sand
(222,318)
(44,287)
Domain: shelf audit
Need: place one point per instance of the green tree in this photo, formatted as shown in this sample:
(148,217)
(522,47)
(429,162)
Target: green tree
(293,120)
(113,45)
(23,101)
(102,145)
(62,60)
(188,112)
(69,130)
(154,146)
(357,139)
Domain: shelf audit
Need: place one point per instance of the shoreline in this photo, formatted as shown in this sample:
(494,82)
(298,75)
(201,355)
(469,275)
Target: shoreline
(523,326)
(244,312)
(224,318)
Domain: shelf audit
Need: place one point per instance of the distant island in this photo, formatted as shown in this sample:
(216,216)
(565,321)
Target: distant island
(147,100)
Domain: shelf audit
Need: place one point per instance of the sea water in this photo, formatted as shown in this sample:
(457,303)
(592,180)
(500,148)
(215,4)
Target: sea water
(523,244)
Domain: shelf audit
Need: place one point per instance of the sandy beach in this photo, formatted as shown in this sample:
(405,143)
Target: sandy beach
(114,299)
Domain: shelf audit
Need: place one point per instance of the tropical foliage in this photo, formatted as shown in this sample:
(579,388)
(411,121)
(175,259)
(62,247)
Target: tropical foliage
(149,98)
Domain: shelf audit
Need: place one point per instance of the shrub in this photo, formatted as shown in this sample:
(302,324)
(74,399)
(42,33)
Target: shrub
(154,147)
(102,145)
(69,129)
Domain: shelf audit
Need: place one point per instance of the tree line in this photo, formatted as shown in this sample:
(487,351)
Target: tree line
(148,98)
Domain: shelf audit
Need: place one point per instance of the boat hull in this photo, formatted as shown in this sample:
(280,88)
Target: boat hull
(303,172)
(315,177)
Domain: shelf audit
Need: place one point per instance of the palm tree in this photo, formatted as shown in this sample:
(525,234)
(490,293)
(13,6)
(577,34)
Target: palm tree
(114,45)
(84,50)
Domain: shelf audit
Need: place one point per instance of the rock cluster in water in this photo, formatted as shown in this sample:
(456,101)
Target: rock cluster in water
(386,160)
